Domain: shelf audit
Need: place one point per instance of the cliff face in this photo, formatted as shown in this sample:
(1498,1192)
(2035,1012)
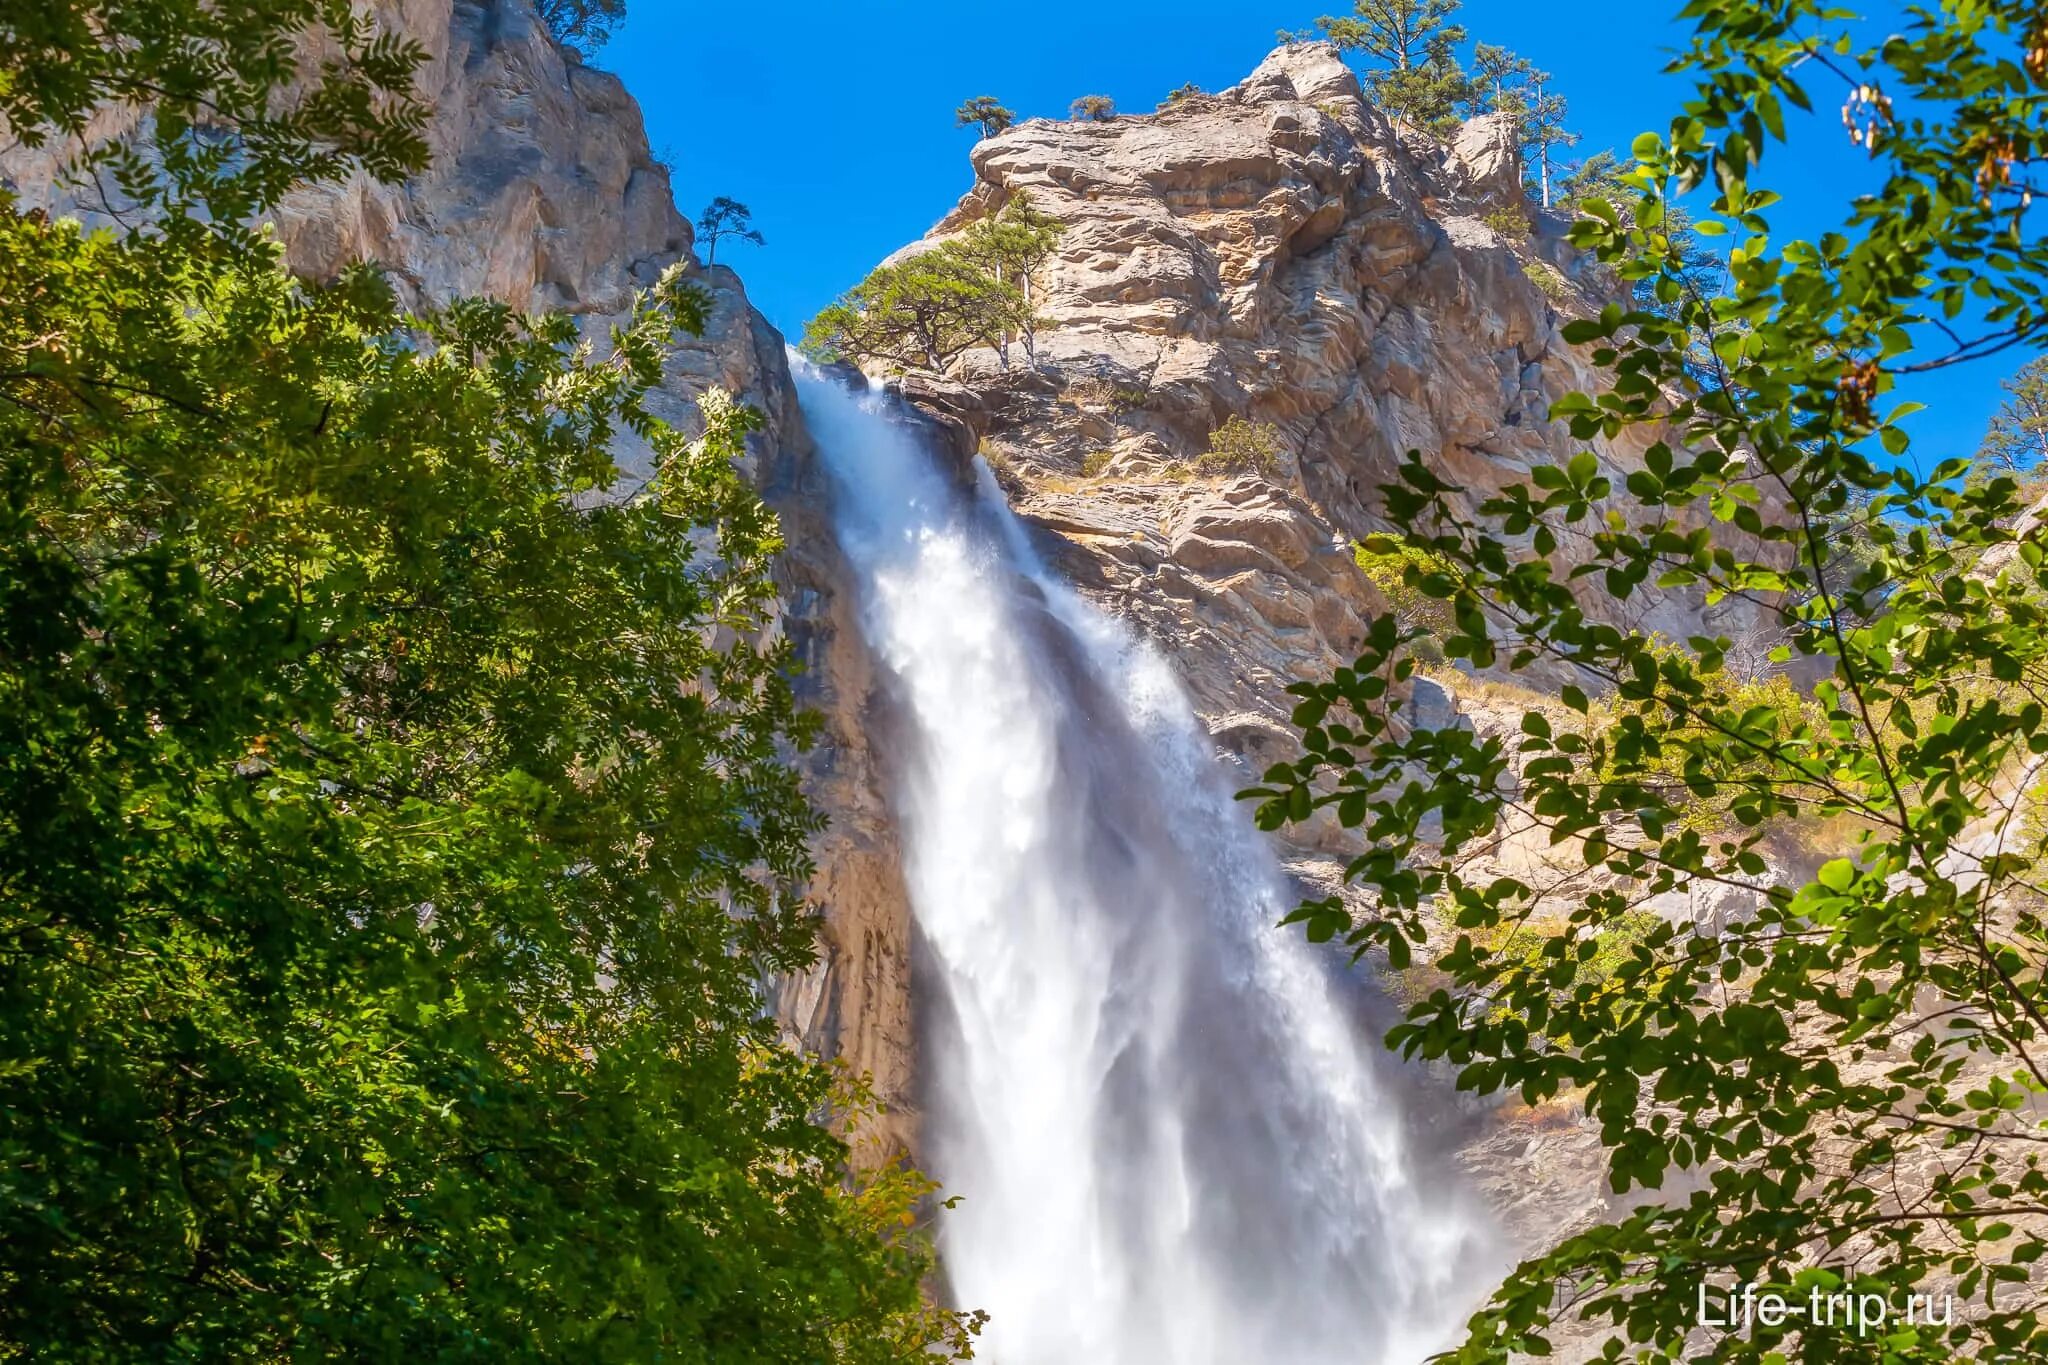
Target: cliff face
(1277,252)
(1280,253)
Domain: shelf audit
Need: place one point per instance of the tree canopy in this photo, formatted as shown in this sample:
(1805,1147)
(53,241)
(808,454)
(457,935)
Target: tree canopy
(2017,441)
(926,309)
(986,113)
(1412,47)
(395,820)
(1839,1087)
(1397,33)
(723,218)
(584,25)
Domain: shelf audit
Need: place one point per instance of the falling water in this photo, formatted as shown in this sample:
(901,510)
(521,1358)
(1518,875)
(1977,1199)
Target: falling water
(1171,1143)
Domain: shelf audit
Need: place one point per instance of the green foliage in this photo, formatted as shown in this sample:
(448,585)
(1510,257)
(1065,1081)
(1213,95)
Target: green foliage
(1394,33)
(917,313)
(1851,1076)
(1402,571)
(722,218)
(1097,108)
(986,113)
(1602,178)
(920,313)
(2017,441)
(1096,463)
(1498,78)
(226,144)
(1571,962)
(1779,712)
(394,820)
(1413,43)
(584,25)
(1545,277)
(383,912)
(1241,447)
(1511,221)
(1179,94)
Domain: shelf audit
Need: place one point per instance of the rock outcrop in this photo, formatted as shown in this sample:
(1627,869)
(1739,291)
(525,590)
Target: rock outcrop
(1281,253)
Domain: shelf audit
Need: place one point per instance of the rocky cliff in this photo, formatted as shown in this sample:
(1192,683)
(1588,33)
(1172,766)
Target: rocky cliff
(1278,252)
(1281,253)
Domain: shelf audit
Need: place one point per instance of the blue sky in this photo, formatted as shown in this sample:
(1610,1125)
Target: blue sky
(833,120)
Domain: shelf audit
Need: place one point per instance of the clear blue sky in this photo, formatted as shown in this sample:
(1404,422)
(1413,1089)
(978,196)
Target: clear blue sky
(833,120)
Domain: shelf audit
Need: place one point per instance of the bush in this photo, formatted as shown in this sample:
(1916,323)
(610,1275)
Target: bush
(1510,221)
(1096,463)
(584,25)
(1400,570)
(1241,447)
(1548,280)
(1100,108)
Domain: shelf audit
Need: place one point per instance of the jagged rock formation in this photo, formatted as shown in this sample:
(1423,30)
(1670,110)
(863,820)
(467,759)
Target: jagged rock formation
(1278,252)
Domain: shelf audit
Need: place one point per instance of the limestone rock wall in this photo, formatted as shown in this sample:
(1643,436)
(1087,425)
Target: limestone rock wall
(1282,253)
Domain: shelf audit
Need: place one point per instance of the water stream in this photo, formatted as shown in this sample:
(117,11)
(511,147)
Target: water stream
(1172,1139)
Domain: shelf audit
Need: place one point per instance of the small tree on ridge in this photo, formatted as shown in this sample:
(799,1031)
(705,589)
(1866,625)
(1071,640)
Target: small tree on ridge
(725,217)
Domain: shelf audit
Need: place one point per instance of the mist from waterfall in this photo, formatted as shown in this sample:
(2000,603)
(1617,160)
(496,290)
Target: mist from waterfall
(1172,1141)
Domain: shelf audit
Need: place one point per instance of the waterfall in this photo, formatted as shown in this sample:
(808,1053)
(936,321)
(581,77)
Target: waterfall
(1171,1140)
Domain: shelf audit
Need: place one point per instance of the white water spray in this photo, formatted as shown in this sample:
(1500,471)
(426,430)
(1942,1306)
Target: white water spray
(1171,1143)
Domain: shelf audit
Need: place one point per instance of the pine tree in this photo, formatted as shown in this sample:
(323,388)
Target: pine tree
(1397,32)
(725,217)
(1426,95)
(583,25)
(921,312)
(984,111)
(1543,128)
(1098,108)
(1498,75)
(1010,247)
(2017,441)
(1419,80)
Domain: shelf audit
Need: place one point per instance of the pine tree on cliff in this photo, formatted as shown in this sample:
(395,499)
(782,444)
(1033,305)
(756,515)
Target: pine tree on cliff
(584,25)
(2017,441)
(1010,247)
(725,217)
(1396,32)
(1498,75)
(1419,80)
(1095,108)
(1542,122)
(984,111)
